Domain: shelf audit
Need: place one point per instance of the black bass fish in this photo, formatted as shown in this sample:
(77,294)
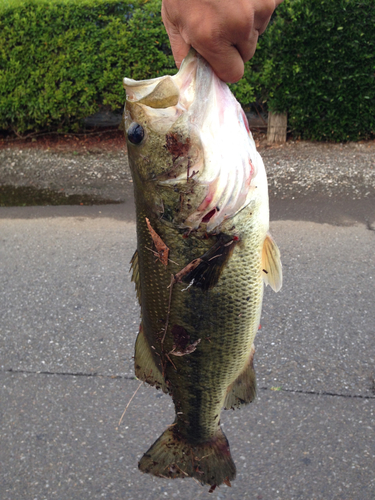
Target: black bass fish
(203,254)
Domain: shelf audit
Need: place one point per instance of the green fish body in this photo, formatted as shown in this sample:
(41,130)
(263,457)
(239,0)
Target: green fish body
(203,254)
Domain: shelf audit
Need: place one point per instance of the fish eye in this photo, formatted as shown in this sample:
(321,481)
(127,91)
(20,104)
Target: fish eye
(135,133)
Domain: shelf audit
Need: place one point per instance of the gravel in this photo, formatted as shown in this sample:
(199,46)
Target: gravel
(294,169)
(101,174)
(301,168)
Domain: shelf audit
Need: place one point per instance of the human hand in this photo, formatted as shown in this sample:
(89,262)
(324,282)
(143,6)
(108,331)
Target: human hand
(224,32)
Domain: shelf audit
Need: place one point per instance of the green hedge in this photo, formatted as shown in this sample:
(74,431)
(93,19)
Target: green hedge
(59,61)
(319,66)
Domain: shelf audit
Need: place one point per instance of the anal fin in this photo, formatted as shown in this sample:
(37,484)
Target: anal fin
(271,264)
(243,390)
(145,366)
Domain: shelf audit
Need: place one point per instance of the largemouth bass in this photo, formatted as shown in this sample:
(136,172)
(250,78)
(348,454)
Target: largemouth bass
(203,254)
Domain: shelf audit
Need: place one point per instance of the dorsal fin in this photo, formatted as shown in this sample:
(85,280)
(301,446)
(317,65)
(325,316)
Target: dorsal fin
(271,264)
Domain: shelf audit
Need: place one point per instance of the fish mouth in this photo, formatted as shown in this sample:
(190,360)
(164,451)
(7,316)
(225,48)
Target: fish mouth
(228,162)
(165,91)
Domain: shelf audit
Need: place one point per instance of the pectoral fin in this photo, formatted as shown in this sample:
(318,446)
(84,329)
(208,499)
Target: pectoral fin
(271,264)
(204,272)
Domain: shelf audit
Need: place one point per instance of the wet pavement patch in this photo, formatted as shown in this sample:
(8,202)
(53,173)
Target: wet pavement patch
(339,210)
(25,196)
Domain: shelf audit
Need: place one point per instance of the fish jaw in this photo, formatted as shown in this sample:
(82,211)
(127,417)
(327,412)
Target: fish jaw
(204,145)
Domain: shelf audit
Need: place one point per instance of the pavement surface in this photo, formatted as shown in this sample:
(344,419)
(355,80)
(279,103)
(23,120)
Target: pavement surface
(69,319)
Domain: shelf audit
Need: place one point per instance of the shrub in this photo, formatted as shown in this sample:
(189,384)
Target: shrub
(320,67)
(59,61)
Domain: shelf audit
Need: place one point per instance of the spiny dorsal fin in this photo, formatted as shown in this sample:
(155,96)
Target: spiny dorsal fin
(134,266)
(271,264)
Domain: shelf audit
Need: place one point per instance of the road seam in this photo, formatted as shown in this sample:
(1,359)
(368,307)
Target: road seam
(69,374)
(317,393)
(127,377)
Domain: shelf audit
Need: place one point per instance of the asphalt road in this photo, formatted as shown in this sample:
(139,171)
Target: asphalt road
(69,318)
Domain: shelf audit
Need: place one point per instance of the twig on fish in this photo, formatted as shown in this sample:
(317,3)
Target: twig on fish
(169,308)
(130,400)
(183,472)
(187,269)
(161,247)
(153,251)
(200,484)
(177,467)
(192,175)
(157,255)
(188,169)
(167,355)
(173,262)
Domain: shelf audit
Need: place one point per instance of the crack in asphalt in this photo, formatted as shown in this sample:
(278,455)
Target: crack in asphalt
(127,377)
(317,393)
(70,374)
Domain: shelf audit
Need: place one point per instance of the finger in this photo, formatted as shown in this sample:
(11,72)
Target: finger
(247,48)
(179,46)
(226,62)
(263,13)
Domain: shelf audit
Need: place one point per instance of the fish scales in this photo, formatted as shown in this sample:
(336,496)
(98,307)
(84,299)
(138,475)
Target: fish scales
(224,318)
(200,293)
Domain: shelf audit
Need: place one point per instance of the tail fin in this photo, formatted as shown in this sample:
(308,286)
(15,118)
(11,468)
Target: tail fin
(173,456)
